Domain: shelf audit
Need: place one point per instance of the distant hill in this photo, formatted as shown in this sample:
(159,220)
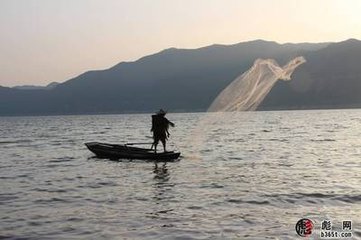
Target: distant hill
(189,80)
(32,87)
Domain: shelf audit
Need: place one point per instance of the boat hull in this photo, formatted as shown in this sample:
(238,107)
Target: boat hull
(116,151)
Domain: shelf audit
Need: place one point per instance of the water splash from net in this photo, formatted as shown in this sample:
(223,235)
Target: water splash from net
(247,91)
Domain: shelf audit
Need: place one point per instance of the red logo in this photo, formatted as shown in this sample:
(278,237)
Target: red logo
(304,227)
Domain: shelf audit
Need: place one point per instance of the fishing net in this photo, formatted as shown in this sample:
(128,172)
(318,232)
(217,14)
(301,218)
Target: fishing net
(247,91)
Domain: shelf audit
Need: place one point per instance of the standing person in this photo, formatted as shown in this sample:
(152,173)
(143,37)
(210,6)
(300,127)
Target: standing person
(160,126)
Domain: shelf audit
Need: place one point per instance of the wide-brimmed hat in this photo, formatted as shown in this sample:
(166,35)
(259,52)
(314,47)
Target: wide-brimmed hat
(161,112)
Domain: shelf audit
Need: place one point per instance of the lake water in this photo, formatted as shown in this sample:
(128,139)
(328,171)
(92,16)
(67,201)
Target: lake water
(249,175)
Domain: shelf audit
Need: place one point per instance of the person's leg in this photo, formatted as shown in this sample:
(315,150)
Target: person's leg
(153,144)
(155,147)
(164,144)
(156,141)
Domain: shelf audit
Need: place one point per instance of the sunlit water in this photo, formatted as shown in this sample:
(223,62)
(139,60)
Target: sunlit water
(249,175)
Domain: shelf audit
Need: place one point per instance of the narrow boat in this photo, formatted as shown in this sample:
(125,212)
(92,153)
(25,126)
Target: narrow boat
(117,151)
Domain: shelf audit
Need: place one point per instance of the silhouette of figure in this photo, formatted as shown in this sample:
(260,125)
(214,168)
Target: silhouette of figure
(160,126)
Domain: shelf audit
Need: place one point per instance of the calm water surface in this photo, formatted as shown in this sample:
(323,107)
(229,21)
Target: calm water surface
(242,176)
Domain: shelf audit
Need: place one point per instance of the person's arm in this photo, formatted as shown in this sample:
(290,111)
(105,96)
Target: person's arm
(171,124)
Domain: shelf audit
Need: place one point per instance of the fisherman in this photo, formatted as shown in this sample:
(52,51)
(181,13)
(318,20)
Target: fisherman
(160,126)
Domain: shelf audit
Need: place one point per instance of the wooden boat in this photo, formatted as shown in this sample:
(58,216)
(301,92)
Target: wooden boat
(116,151)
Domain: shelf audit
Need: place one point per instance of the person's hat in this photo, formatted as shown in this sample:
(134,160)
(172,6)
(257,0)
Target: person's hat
(161,112)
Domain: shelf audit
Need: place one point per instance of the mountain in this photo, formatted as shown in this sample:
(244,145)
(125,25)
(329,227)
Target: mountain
(331,78)
(32,87)
(189,80)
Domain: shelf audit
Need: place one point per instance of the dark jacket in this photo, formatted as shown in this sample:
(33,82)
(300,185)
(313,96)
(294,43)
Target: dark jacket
(160,126)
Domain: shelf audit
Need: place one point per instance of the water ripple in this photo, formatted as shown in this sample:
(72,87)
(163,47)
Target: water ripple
(242,176)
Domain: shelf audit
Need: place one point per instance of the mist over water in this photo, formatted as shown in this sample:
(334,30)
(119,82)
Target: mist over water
(247,91)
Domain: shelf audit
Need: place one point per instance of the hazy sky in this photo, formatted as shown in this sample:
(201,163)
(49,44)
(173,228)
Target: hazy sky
(54,40)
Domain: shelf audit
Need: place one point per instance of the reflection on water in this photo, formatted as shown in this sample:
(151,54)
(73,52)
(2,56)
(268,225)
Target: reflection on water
(244,175)
(162,191)
(160,184)
(161,173)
